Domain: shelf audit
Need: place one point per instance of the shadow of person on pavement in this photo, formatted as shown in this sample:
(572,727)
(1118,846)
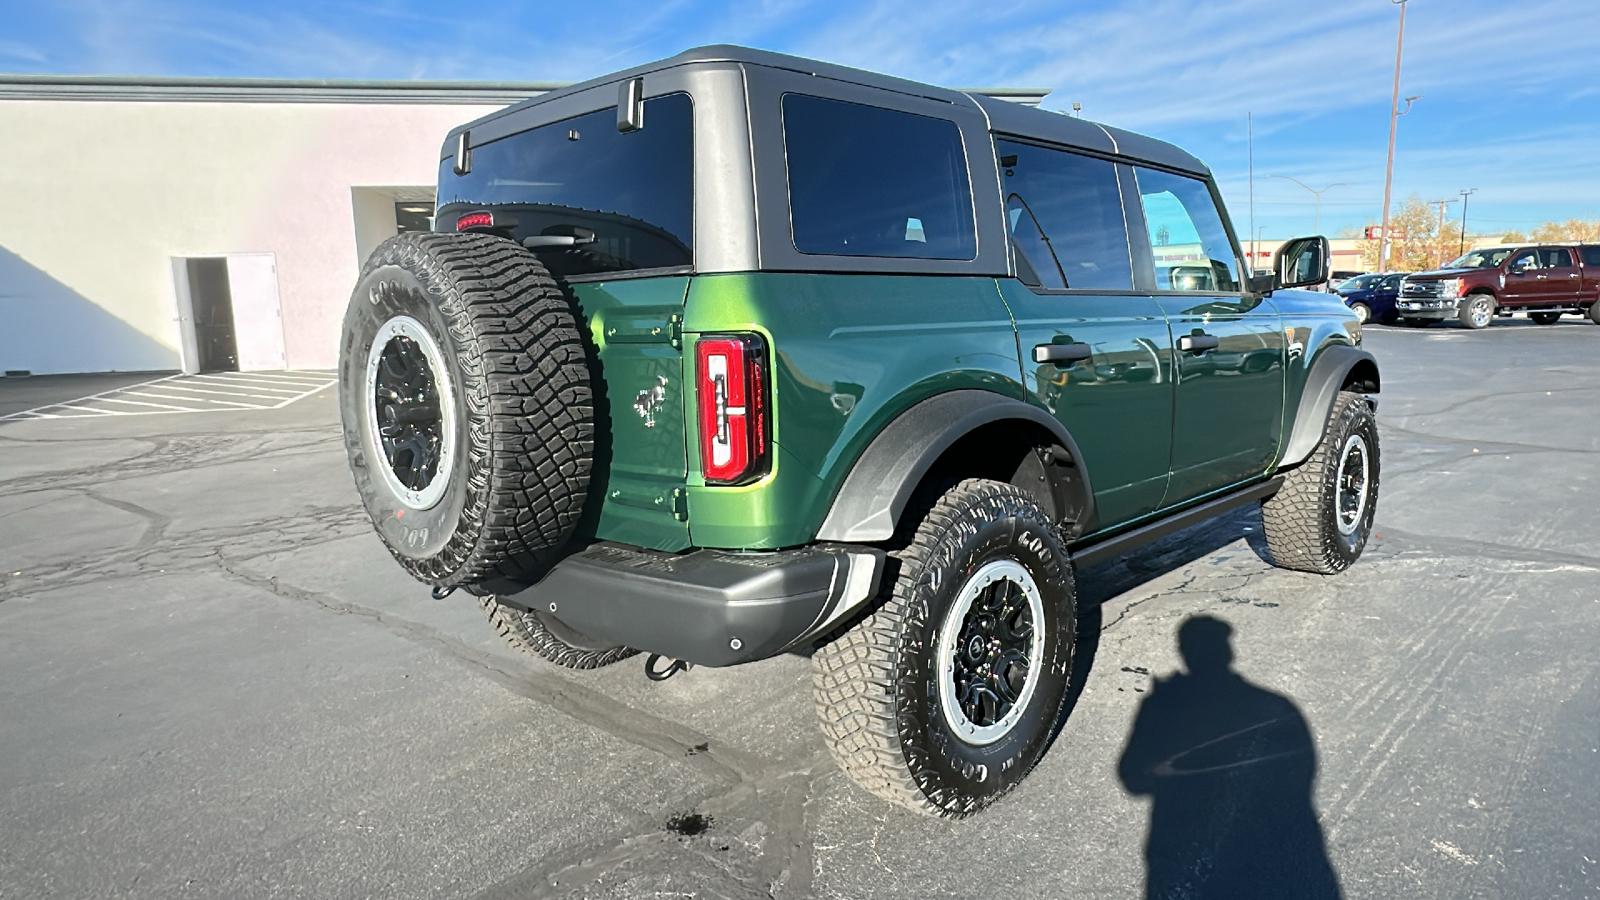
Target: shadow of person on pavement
(1230,767)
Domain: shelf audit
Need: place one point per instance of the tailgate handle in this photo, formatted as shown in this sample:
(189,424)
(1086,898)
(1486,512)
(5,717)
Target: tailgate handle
(1062,354)
(1198,343)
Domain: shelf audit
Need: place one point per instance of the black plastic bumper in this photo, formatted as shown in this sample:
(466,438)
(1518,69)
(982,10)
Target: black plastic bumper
(708,607)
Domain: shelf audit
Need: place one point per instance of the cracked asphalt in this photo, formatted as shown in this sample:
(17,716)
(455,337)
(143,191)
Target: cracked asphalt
(215,683)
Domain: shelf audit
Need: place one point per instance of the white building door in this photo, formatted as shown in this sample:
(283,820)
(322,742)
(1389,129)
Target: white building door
(257,315)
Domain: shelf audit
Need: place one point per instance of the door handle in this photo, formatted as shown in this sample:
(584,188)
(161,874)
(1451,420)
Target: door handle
(1198,343)
(1062,354)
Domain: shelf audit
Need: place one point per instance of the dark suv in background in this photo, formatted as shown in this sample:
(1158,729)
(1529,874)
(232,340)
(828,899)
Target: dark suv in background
(1371,297)
(1543,280)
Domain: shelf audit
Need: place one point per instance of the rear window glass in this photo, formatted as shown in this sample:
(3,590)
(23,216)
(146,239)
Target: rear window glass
(633,191)
(865,181)
(1065,216)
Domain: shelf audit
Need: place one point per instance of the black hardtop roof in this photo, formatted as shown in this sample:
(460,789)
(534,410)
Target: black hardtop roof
(1005,116)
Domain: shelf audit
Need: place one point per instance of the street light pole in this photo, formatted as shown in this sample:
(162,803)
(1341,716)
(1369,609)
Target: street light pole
(1316,221)
(1464,196)
(1394,114)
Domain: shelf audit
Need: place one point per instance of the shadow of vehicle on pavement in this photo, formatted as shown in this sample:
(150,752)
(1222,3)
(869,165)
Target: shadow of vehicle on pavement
(1230,768)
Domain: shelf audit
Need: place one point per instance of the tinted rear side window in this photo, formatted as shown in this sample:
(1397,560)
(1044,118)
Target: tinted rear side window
(865,181)
(1591,255)
(1556,258)
(635,191)
(1065,216)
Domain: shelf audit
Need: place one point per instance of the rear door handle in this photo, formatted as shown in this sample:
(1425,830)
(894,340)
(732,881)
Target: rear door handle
(1198,343)
(1062,354)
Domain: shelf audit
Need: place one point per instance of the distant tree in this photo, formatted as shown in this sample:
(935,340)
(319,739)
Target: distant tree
(1163,236)
(1570,230)
(1514,237)
(1416,243)
(1349,232)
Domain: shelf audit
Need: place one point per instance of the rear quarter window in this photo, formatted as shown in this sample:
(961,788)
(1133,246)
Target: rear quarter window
(868,181)
(1591,255)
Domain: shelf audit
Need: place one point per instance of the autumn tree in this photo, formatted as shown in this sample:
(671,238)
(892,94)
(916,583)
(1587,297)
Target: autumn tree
(1416,243)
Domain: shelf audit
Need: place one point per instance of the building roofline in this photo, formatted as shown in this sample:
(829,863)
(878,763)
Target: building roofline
(266,90)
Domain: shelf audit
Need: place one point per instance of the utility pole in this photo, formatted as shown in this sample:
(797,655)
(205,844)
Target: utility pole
(1464,196)
(1394,114)
(1438,236)
(1316,221)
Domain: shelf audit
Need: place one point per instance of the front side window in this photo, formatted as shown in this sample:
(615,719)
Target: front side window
(1525,261)
(1191,248)
(632,193)
(865,181)
(1065,216)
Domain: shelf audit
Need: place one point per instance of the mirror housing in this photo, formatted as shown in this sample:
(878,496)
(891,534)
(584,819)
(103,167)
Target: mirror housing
(1300,262)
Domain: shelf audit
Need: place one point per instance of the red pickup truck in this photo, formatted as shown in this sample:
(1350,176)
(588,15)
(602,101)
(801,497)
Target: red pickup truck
(1543,280)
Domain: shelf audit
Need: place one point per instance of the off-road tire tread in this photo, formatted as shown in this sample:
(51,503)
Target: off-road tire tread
(1297,520)
(853,676)
(524,380)
(524,631)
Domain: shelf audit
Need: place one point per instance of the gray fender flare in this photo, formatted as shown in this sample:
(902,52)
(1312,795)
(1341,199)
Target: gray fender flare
(1328,373)
(879,485)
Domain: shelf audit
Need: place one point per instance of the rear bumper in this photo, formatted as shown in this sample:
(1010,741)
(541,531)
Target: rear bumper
(707,607)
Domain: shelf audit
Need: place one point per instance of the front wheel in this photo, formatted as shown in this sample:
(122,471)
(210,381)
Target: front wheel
(1477,310)
(1594,312)
(945,697)
(1363,312)
(1545,318)
(1320,519)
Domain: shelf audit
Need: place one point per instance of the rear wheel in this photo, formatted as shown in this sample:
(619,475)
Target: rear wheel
(1594,312)
(944,698)
(1320,519)
(549,638)
(1477,310)
(1545,318)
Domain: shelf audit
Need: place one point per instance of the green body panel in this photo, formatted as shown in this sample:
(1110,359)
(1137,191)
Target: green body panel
(1117,405)
(849,353)
(1312,321)
(1228,423)
(640,458)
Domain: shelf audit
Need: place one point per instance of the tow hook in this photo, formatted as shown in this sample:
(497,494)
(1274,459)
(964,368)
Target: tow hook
(654,672)
(439,593)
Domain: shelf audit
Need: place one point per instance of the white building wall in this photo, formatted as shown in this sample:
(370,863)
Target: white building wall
(100,195)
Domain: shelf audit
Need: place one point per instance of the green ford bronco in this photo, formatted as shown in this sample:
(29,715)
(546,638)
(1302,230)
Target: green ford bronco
(739,354)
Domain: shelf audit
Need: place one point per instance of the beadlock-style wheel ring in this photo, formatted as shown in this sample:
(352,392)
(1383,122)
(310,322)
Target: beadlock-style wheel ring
(990,651)
(411,413)
(1353,480)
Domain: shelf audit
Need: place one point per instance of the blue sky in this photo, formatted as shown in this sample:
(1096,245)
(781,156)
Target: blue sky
(1511,92)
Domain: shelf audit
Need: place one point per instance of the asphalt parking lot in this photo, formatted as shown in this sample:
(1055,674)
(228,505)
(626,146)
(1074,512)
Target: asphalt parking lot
(215,683)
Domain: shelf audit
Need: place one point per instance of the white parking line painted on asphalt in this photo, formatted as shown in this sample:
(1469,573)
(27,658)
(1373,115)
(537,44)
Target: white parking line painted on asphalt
(191,394)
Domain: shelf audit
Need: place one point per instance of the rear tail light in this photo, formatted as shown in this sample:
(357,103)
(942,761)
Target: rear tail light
(475,220)
(732,388)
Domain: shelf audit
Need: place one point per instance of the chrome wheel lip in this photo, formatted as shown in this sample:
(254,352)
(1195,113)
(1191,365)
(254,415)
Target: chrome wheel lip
(430,495)
(1356,480)
(950,633)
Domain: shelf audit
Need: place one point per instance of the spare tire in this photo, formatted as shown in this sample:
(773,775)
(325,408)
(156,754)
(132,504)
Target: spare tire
(468,412)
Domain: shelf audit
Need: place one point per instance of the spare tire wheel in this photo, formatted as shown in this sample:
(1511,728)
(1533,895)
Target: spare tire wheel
(468,412)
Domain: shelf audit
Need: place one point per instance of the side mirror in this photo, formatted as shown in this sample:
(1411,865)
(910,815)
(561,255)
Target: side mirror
(1301,262)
